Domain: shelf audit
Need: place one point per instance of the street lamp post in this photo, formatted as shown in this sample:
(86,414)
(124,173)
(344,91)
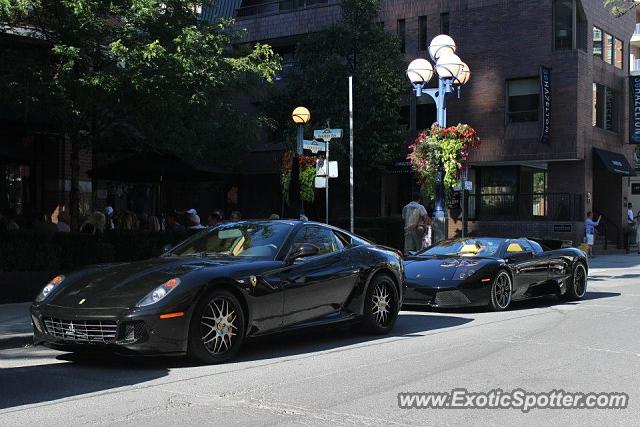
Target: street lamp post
(452,74)
(300,117)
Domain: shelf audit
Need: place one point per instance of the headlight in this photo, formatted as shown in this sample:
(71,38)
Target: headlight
(464,272)
(53,283)
(158,293)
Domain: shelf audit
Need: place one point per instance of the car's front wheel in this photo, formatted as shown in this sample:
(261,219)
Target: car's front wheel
(501,290)
(577,283)
(217,328)
(380,305)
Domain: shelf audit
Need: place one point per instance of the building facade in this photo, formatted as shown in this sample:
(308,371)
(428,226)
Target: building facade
(526,181)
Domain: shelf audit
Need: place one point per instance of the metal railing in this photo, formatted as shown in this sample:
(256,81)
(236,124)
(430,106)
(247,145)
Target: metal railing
(529,206)
(274,7)
(610,232)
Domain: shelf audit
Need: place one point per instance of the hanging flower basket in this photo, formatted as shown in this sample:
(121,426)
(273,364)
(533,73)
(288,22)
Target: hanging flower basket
(449,147)
(307,176)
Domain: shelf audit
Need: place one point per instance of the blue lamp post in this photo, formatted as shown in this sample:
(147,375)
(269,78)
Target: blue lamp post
(452,74)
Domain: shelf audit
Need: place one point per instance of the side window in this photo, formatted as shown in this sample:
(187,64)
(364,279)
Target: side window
(526,246)
(514,248)
(323,238)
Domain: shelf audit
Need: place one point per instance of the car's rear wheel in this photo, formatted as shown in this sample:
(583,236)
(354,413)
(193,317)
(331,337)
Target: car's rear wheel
(577,283)
(217,328)
(501,290)
(380,305)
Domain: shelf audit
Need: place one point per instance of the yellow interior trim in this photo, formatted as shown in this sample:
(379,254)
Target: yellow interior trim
(514,247)
(469,249)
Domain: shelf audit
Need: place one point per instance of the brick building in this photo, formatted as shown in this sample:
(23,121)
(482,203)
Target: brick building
(521,186)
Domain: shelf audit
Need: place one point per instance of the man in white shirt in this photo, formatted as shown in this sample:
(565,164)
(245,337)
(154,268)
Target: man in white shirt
(630,227)
(413,214)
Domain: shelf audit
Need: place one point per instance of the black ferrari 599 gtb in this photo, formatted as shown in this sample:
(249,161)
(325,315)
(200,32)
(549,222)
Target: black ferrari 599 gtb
(492,272)
(203,297)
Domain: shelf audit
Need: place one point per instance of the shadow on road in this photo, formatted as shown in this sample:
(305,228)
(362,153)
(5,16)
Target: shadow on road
(43,383)
(322,339)
(96,372)
(540,302)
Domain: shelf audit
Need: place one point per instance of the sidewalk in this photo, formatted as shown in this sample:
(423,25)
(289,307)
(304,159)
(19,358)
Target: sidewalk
(15,325)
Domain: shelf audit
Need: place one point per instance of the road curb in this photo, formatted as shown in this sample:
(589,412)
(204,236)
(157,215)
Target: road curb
(16,341)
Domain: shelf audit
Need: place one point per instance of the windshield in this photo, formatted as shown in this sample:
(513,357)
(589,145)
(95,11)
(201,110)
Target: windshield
(236,239)
(477,247)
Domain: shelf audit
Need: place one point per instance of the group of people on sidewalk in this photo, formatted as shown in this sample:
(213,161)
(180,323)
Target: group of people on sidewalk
(631,231)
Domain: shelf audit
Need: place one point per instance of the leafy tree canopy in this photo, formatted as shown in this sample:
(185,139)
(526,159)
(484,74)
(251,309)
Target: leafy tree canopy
(621,7)
(356,46)
(146,74)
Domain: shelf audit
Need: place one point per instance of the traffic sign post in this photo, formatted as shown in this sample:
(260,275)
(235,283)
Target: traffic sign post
(327,135)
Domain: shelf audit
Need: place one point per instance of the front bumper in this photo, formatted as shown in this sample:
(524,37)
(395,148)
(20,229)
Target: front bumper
(453,294)
(119,330)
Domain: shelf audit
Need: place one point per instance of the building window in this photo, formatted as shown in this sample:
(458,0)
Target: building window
(402,35)
(444,23)
(539,196)
(605,108)
(569,25)
(563,17)
(422,33)
(523,100)
(608,48)
(597,42)
(617,54)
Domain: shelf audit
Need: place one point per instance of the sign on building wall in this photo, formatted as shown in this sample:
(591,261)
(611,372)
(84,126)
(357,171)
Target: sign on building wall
(545,104)
(634,116)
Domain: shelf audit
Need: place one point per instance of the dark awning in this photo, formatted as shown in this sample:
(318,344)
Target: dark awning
(614,162)
(151,167)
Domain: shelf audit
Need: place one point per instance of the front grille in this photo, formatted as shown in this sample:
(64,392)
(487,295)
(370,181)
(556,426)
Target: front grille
(450,298)
(95,331)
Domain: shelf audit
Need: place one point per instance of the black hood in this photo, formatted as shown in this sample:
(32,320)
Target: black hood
(124,285)
(439,268)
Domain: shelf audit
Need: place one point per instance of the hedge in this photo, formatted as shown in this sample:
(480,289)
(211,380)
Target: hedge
(32,251)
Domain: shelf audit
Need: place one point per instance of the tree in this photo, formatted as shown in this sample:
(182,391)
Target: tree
(356,46)
(621,7)
(142,74)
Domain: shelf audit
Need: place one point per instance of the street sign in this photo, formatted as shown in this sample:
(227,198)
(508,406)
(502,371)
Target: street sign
(333,169)
(327,134)
(321,168)
(468,185)
(321,182)
(314,146)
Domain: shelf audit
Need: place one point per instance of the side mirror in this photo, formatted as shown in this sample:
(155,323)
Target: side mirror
(303,251)
(166,248)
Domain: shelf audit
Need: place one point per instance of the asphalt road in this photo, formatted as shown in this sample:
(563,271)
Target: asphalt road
(345,378)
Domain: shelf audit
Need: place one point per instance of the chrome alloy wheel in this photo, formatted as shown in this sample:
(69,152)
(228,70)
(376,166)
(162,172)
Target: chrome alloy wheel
(502,290)
(381,303)
(580,281)
(217,325)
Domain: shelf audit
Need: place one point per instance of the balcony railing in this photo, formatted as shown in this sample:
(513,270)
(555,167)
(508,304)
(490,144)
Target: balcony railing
(528,206)
(275,7)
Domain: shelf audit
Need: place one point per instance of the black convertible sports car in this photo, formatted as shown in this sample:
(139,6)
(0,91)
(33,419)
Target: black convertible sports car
(203,297)
(492,272)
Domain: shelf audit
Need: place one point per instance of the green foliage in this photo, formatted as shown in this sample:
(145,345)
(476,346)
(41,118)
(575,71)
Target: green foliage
(307,176)
(143,74)
(621,7)
(356,46)
(448,147)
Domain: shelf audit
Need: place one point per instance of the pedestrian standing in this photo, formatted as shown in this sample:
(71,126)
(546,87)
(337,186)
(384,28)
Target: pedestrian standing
(629,229)
(414,215)
(590,230)
(193,220)
(108,215)
(63,222)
